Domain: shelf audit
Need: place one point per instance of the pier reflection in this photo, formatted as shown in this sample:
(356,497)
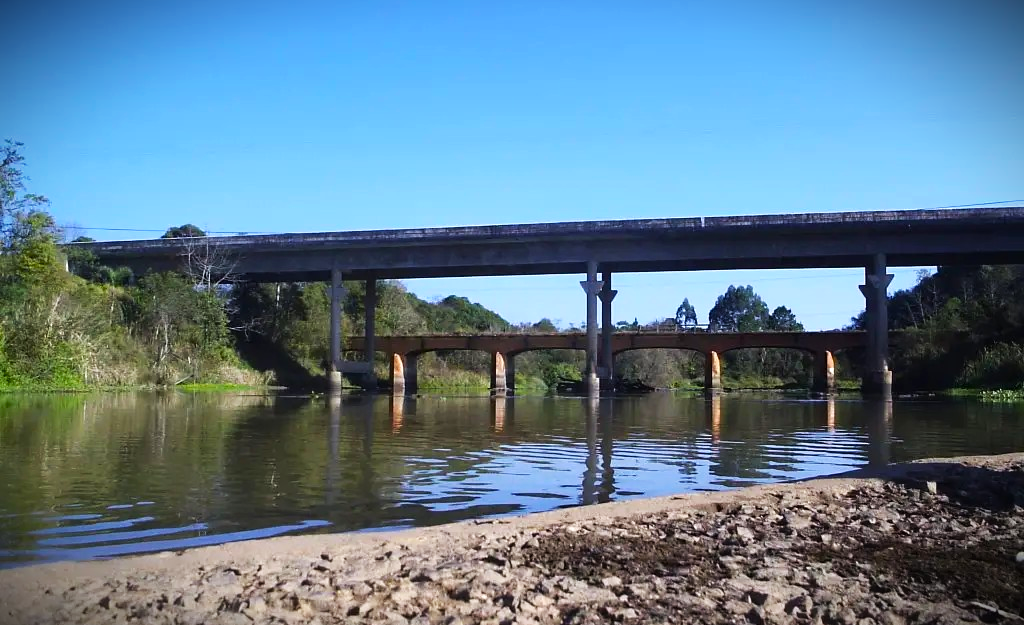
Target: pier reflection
(879,427)
(600,447)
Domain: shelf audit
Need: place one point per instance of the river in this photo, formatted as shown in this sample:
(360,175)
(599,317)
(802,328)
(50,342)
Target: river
(99,475)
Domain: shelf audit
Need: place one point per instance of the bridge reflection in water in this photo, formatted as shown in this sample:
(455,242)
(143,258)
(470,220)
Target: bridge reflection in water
(600,434)
(192,470)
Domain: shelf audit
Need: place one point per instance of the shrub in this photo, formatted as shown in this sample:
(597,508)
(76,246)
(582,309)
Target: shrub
(999,366)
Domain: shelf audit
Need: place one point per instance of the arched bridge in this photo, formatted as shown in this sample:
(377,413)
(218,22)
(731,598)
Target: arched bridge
(405,350)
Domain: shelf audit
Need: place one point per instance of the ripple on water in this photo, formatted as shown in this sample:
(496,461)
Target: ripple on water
(194,473)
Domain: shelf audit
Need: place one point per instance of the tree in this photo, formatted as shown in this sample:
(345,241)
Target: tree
(14,202)
(782,319)
(739,309)
(686,316)
(545,325)
(183,231)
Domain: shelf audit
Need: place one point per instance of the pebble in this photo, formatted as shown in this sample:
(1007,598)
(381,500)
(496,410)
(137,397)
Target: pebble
(784,559)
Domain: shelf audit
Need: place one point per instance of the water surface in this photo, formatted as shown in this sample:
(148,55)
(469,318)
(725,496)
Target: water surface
(91,476)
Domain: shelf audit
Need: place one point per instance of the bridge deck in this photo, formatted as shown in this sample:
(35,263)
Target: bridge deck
(907,238)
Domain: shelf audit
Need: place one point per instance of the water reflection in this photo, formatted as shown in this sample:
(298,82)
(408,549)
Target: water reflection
(88,476)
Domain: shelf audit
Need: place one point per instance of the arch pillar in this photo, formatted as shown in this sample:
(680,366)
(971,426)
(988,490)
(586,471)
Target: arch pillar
(499,371)
(824,372)
(510,373)
(712,372)
(403,373)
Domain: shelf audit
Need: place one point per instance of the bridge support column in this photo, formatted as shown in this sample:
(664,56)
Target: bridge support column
(592,286)
(334,369)
(877,376)
(369,343)
(824,373)
(510,373)
(606,370)
(498,371)
(712,373)
(403,374)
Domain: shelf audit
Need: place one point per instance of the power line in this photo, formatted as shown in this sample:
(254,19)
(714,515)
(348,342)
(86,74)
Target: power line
(970,205)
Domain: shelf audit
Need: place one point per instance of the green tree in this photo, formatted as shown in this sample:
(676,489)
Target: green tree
(782,319)
(739,309)
(14,201)
(183,231)
(686,316)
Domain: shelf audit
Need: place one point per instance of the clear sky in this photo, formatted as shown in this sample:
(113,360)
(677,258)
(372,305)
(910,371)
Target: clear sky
(255,117)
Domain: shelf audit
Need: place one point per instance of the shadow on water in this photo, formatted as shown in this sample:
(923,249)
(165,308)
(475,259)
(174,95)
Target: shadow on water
(101,475)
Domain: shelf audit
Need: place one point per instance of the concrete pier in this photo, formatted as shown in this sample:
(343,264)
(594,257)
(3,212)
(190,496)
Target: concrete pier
(606,365)
(370,332)
(334,368)
(877,380)
(592,286)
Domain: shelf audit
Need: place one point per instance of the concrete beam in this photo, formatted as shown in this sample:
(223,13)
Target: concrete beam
(908,238)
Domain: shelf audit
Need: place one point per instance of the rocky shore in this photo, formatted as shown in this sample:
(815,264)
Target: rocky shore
(932,542)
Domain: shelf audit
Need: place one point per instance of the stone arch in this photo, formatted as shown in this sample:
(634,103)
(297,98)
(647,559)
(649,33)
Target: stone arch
(809,371)
(659,366)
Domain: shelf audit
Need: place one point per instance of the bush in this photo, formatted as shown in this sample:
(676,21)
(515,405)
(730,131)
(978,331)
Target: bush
(999,366)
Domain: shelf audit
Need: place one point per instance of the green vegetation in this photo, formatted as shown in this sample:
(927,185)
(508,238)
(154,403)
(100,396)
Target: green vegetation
(964,327)
(102,327)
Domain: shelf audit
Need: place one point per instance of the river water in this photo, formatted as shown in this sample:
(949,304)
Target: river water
(99,475)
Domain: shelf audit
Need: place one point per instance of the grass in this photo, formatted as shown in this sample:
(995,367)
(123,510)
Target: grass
(1003,395)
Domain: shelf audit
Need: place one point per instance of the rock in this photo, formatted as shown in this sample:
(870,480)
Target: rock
(404,596)
(744,533)
(931,487)
(255,606)
(800,605)
(1020,559)
(611,582)
(796,521)
(492,577)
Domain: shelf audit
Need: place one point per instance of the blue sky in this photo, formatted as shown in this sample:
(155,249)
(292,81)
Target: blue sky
(341,116)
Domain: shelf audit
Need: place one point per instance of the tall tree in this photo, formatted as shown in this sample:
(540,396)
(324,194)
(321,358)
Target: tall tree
(739,309)
(14,202)
(686,316)
(782,319)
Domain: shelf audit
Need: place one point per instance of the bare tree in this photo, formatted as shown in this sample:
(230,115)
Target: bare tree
(207,264)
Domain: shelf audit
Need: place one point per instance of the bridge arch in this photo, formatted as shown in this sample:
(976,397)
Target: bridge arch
(659,367)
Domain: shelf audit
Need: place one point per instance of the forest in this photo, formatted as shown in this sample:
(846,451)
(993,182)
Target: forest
(67,322)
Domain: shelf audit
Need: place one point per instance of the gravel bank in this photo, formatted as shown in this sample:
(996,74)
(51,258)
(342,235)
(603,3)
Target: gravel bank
(931,542)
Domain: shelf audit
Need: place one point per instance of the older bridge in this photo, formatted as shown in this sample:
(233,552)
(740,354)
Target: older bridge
(503,348)
(873,240)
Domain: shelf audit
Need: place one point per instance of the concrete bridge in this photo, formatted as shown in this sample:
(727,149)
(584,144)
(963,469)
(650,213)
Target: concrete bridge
(873,240)
(404,351)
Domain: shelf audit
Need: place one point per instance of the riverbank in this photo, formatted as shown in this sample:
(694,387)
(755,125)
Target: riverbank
(928,542)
